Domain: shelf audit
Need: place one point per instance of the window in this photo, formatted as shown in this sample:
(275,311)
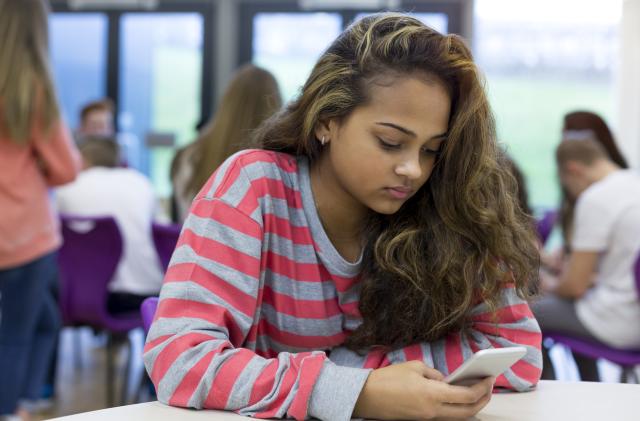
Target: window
(287,40)
(542,60)
(78,62)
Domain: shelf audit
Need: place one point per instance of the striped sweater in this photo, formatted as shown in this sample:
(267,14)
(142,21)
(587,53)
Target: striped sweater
(257,302)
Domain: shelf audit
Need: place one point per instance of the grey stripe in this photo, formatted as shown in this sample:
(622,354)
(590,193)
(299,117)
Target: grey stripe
(283,368)
(214,230)
(300,326)
(197,400)
(166,326)
(301,290)
(276,206)
(241,391)
(264,343)
(508,298)
(258,170)
(438,352)
(518,383)
(533,355)
(240,280)
(220,175)
(427,356)
(467,352)
(345,357)
(299,253)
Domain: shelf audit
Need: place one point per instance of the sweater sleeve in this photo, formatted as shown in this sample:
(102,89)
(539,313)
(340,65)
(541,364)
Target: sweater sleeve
(196,351)
(60,159)
(513,325)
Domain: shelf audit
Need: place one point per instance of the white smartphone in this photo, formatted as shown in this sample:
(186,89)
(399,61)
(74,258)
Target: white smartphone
(486,363)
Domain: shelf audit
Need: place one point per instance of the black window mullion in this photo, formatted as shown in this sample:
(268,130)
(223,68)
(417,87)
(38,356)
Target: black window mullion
(207,87)
(113,60)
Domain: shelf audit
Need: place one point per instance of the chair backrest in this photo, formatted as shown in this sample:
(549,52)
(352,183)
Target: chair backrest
(545,225)
(148,310)
(165,238)
(88,260)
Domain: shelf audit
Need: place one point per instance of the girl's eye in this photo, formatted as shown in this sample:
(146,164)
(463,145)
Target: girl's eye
(434,152)
(388,145)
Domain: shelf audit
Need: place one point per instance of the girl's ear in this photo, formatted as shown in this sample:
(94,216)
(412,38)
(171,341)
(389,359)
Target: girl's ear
(323,130)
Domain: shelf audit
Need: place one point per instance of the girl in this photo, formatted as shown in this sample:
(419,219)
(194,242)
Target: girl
(36,152)
(252,97)
(366,252)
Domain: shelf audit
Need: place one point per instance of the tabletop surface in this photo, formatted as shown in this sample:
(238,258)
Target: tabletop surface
(551,401)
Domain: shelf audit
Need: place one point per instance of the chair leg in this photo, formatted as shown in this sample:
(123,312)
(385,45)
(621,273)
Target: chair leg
(125,381)
(110,370)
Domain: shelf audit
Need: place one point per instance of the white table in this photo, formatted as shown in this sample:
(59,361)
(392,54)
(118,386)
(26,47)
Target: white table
(552,401)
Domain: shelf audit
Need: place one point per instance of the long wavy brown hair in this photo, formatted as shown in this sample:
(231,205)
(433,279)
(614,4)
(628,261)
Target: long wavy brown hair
(251,97)
(596,127)
(26,84)
(459,239)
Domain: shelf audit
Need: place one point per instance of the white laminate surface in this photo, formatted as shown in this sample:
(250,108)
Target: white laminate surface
(552,401)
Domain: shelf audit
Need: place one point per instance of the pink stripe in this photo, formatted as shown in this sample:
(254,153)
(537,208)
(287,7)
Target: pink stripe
(374,358)
(282,227)
(453,351)
(226,377)
(263,384)
(342,284)
(506,314)
(309,372)
(157,341)
(290,268)
(301,341)
(276,189)
(227,215)
(221,253)
(527,371)
(184,272)
(175,308)
(413,353)
(172,351)
(191,380)
(517,336)
(304,309)
(284,388)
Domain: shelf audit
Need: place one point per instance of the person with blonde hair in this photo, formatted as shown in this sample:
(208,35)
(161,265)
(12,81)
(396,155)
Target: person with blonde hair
(251,97)
(36,152)
(368,249)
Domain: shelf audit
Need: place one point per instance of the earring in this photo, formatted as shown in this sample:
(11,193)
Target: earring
(323,141)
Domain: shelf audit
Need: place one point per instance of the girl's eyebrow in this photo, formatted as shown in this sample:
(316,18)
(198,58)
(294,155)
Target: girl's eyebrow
(409,132)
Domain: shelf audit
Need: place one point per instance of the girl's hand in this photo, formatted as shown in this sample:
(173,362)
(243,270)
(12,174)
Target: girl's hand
(414,391)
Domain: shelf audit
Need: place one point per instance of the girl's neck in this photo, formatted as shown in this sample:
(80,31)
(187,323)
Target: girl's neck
(341,215)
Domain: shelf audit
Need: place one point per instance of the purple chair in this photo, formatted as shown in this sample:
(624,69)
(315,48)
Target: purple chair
(627,359)
(165,238)
(544,226)
(148,310)
(88,260)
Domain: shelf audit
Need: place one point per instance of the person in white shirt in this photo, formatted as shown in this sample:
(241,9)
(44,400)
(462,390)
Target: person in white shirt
(595,295)
(103,189)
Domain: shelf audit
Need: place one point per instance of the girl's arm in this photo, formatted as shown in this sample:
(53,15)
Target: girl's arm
(514,325)
(58,155)
(208,304)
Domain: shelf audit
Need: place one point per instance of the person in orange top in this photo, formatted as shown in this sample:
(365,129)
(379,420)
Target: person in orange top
(36,152)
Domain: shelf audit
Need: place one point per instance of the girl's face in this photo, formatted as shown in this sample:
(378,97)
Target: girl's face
(384,151)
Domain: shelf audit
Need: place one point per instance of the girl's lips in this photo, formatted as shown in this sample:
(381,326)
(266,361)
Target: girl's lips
(399,192)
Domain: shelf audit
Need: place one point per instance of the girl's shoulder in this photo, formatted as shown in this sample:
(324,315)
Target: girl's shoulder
(260,163)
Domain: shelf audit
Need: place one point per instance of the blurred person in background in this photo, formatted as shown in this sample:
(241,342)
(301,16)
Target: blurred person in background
(96,119)
(104,189)
(594,295)
(251,97)
(36,152)
(580,125)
